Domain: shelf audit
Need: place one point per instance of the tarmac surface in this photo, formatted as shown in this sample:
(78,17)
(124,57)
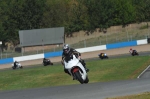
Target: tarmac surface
(100,90)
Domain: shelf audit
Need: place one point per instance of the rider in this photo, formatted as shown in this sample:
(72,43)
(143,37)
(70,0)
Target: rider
(15,63)
(68,51)
(44,60)
(103,54)
(131,50)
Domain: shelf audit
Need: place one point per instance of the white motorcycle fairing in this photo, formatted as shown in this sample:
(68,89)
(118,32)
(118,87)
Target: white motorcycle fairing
(18,66)
(74,62)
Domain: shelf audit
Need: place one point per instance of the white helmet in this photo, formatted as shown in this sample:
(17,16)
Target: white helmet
(66,48)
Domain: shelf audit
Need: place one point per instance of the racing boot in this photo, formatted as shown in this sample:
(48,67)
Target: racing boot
(66,71)
(84,64)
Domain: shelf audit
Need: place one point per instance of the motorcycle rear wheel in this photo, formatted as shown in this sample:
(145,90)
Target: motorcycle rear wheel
(21,67)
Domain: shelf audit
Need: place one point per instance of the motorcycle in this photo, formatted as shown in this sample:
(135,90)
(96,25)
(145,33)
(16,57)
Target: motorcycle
(76,69)
(134,53)
(47,62)
(103,56)
(19,66)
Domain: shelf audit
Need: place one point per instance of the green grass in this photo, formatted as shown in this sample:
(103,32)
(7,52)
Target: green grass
(100,71)
(145,95)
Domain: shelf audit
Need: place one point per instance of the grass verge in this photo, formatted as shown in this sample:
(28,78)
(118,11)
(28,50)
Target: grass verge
(145,95)
(100,71)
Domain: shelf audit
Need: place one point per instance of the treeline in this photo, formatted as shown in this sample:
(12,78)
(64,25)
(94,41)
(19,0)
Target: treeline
(74,15)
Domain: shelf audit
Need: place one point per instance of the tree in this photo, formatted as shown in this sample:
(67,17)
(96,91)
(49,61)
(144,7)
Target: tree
(22,15)
(77,16)
(94,13)
(3,18)
(55,14)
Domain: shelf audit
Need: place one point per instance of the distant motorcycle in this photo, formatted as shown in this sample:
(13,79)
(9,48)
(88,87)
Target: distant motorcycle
(19,66)
(47,62)
(103,56)
(134,53)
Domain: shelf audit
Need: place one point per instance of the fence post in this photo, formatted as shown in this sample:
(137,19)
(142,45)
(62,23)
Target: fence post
(1,49)
(106,38)
(127,34)
(84,43)
(100,42)
(22,50)
(1,54)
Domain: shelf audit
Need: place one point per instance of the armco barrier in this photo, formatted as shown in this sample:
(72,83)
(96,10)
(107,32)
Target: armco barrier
(140,42)
(90,49)
(29,57)
(6,61)
(52,54)
(82,50)
(121,44)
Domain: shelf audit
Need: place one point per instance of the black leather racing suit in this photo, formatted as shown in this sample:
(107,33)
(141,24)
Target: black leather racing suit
(15,64)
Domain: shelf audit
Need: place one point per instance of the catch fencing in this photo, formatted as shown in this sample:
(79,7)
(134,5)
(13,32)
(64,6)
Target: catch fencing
(82,50)
(84,39)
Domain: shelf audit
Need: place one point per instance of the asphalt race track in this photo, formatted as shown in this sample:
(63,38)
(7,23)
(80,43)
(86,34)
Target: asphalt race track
(101,90)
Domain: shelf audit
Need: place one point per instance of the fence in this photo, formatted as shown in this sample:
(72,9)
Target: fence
(82,40)
(82,50)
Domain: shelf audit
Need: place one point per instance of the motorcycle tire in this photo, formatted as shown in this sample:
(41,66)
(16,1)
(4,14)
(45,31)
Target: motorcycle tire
(86,80)
(100,57)
(78,77)
(13,68)
(45,64)
(107,57)
(21,67)
(137,53)
(51,63)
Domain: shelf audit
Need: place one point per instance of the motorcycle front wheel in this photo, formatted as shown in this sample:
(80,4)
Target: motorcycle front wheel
(78,77)
(45,64)
(13,68)
(86,80)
